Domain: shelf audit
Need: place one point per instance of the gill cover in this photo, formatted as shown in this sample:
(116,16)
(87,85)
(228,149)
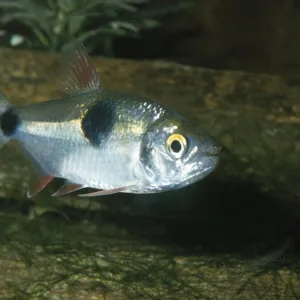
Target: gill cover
(162,149)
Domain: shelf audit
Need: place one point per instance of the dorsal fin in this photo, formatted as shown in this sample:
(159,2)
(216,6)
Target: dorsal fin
(79,73)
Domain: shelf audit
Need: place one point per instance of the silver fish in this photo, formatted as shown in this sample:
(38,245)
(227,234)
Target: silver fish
(109,141)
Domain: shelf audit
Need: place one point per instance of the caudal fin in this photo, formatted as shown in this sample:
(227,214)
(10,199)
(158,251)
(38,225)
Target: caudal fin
(5,108)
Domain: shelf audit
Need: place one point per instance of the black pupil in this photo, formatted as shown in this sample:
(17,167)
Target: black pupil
(176,146)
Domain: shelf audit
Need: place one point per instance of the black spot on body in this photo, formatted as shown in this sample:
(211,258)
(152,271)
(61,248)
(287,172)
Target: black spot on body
(9,122)
(98,122)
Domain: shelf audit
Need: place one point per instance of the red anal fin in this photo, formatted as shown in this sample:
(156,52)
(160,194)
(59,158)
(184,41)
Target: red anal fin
(104,192)
(38,185)
(67,188)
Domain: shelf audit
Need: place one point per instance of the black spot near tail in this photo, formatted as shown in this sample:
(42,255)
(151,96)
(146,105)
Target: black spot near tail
(98,122)
(9,122)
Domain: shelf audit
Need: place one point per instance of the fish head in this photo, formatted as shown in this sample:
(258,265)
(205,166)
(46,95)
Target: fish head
(175,153)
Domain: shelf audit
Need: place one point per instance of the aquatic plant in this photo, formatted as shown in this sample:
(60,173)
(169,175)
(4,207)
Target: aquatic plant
(52,23)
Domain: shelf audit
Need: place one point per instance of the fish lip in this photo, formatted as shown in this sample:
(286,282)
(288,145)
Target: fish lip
(200,173)
(214,151)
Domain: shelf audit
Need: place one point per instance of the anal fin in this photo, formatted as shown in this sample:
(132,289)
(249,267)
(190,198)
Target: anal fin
(38,185)
(104,192)
(68,188)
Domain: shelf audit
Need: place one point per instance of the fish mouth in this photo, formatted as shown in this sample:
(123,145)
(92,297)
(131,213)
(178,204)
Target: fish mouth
(196,173)
(213,150)
(201,169)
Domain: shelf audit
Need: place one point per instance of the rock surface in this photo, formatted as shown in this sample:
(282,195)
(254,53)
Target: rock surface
(203,242)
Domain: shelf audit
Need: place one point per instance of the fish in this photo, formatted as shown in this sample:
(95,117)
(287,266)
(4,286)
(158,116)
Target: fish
(109,141)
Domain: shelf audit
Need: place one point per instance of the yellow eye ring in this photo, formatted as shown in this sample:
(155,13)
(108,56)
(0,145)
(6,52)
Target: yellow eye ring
(176,144)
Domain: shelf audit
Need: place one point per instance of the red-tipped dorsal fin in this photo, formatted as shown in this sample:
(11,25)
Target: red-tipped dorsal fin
(79,73)
(104,192)
(38,185)
(67,188)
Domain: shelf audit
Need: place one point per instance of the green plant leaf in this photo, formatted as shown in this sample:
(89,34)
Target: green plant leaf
(54,22)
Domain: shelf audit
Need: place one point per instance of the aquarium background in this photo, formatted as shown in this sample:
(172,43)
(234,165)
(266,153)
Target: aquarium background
(233,67)
(247,35)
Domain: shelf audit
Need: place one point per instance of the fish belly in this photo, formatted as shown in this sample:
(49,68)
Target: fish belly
(106,168)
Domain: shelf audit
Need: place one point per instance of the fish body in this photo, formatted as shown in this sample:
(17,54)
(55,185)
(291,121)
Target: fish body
(106,140)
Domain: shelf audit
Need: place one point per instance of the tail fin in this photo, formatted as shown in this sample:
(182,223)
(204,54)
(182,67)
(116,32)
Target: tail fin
(4,107)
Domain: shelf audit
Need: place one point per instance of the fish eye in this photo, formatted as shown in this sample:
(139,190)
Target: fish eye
(176,144)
